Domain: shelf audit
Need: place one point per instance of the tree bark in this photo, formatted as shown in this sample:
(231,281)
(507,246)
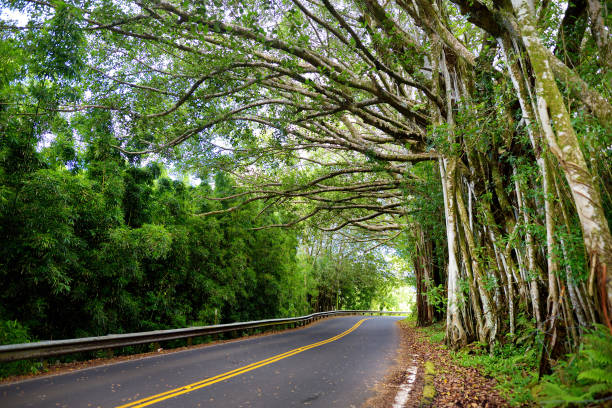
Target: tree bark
(562,141)
(455,333)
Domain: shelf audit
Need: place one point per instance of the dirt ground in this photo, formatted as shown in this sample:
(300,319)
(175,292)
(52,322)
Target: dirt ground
(455,386)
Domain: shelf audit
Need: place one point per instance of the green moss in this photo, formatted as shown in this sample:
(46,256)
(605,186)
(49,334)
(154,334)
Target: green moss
(430,369)
(429,392)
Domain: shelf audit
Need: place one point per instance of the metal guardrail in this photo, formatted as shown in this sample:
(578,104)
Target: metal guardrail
(50,348)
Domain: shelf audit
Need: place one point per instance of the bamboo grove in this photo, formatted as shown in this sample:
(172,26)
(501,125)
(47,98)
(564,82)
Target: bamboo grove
(474,134)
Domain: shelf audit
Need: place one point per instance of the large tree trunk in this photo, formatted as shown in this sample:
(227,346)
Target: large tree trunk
(488,328)
(562,141)
(423,274)
(456,335)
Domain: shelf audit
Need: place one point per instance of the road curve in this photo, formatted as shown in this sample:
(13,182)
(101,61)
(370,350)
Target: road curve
(334,363)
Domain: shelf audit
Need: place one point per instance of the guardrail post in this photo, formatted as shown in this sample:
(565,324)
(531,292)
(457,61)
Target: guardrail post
(189,341)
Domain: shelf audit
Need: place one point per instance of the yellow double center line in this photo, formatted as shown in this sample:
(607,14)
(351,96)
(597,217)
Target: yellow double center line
(222,377)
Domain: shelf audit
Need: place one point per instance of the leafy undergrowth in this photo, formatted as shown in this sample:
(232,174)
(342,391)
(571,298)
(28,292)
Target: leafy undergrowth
(583,379)
(434,333)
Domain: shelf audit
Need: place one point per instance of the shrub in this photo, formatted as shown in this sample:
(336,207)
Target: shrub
(12,332)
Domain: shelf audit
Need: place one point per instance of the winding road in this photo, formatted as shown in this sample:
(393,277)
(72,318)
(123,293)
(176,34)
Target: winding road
(333,363)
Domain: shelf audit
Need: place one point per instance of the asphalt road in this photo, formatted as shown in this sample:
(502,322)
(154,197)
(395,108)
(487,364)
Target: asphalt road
(334,363)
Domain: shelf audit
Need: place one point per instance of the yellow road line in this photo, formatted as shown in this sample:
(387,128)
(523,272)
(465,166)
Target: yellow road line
(153,399)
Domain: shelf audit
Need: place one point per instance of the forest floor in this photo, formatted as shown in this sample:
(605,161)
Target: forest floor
(456,386)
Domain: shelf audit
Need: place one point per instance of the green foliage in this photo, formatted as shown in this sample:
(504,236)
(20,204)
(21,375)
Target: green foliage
(93,244)
(585,378)
(436,296)
(12,332)
(346,278)
(513,364)
(571,253)
(98,241)
(73,266)
(149,241)
(58,52)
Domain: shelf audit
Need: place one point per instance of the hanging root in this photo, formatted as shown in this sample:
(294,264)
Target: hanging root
(604,297)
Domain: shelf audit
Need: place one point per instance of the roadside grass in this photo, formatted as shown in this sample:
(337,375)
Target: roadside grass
(434,333)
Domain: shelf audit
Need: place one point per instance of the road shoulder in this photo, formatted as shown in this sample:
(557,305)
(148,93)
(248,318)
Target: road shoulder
(455,386)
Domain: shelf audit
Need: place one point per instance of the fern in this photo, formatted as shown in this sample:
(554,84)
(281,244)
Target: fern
(600,338)
(596,375)
(557,396)
(585,378)
(598,388)
(598,356)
